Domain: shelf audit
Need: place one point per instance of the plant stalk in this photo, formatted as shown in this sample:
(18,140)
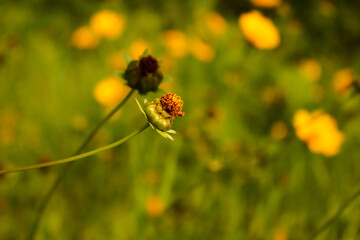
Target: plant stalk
(341,209)
(76,157)
(64,170)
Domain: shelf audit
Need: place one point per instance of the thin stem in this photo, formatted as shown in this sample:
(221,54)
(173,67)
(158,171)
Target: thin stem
(108,116)
(342,208)
(77,157)
(64,170)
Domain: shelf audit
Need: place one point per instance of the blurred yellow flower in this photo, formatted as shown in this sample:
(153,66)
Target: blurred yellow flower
(84,38)
(266,3)
(154,206)
(215,23)
(107,24)
(319,130)
(109,91)
(278,130)
(116,61)
(137,48)
(259,30)
(311,69)
(342,80)
(202,51)
(176,43)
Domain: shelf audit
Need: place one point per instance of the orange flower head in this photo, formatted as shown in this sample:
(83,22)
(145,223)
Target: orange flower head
(172,104)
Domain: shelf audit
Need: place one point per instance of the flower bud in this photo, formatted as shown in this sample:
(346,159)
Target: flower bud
(157,115)
(143,74)
(162,112)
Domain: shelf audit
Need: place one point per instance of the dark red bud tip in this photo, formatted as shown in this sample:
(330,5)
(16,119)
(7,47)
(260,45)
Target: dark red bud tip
(148,64)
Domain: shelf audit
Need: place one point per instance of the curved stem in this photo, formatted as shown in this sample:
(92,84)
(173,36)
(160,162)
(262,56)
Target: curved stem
(77,157)
(64,170)
(108,116)
(342,208)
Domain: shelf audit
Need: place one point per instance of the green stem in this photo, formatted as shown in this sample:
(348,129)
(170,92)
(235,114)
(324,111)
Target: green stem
(64,170)
(77,157)
(342,208)
(108,116)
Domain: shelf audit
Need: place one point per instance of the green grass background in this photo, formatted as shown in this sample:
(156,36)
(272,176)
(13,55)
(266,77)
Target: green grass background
(264,186)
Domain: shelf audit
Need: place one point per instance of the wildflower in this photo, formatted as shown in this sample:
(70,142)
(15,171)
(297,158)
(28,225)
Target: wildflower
(202,51)
(266,3)
(143,74)
(215,23)
(259,30)
(154,206)
(311,69)
(107,24)
(342,80)
(84,38)
(162,112)
(319,130)
(176,43)
(109,91)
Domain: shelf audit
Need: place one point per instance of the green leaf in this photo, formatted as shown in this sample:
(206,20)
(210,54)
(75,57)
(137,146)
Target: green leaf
(127,59)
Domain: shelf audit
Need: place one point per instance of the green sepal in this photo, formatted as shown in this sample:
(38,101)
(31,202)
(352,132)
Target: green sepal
(141,109)
(127,59)
(145,53)
(164,134)
(171,131)
(119,74)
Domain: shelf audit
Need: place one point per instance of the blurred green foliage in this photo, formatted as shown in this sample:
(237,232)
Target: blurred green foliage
(227,175)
